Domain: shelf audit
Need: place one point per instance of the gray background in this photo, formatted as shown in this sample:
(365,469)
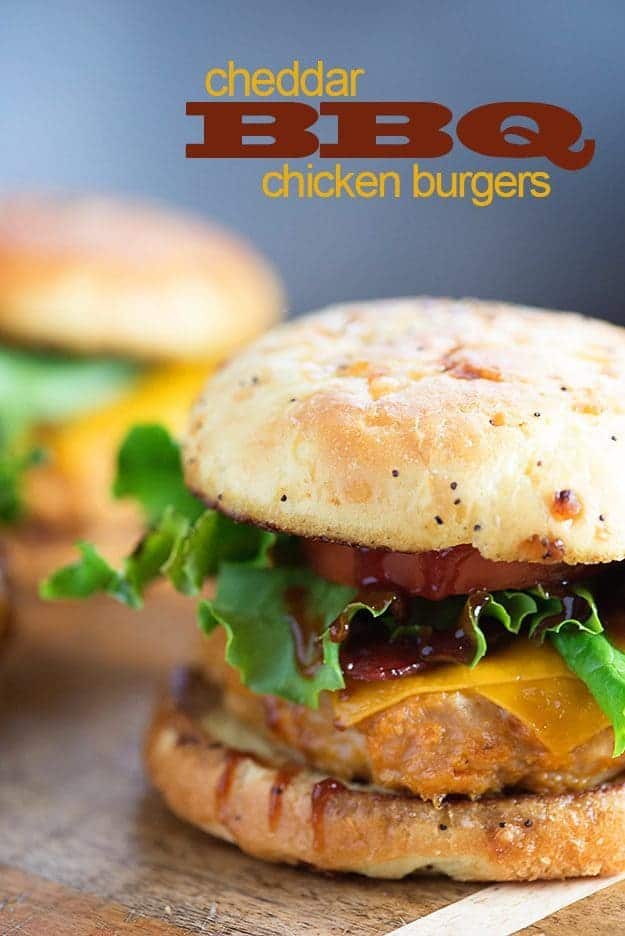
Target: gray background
(92,96)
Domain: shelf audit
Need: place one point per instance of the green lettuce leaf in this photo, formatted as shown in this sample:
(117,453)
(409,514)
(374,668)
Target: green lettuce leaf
(532,609)
(149,470)
(601,666)
(210,541)
(185,543)
(265,640)
(41,388)
(508,609)
(13,466)
(174,548)
(91,575)
(190,540)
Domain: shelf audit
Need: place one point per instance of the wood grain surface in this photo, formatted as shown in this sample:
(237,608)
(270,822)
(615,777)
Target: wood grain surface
(88,848)
(32,905)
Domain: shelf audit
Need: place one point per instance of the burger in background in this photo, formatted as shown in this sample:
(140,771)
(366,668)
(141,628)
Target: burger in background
(110,312)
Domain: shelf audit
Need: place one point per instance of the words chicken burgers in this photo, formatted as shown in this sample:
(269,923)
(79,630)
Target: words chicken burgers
(416,520)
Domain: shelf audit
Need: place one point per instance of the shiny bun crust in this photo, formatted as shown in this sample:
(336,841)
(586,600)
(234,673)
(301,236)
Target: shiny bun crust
(99,275)
(421,424)
(302,817)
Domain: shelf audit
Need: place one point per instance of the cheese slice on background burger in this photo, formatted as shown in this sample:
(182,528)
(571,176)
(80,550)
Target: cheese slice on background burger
(111,312)
(415,513)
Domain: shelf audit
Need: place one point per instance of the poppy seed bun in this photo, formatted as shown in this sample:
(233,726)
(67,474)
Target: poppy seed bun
(194,758)
(97,275)
(421,424)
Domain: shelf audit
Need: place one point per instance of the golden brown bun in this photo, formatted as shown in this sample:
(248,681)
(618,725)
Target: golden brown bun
(193,757)
(99,275)
(430,744)
(421,424)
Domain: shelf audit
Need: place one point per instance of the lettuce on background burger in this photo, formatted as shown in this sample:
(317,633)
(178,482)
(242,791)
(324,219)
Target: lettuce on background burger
(414,650)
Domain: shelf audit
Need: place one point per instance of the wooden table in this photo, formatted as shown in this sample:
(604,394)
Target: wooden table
(87,848)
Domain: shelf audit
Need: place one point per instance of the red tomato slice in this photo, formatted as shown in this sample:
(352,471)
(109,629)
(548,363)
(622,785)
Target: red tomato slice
(434,575)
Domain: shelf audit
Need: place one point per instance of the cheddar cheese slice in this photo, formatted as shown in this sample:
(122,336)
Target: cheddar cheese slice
(560,711)
(529,681)
(75,483)
(162,395)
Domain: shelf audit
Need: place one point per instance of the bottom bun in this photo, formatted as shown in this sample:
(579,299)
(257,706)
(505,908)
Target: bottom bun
(216,774)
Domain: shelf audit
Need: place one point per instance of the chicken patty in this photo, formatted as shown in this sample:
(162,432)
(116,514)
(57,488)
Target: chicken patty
(431,745)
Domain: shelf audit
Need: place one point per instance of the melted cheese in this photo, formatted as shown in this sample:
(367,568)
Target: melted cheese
(163,395)
(561,712)
(533,683)
(519,661)
(75,483)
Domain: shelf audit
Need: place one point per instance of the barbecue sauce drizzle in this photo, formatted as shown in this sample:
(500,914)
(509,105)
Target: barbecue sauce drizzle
(323,793)
(279,787)
(224,784)
(306,628)
(369,651)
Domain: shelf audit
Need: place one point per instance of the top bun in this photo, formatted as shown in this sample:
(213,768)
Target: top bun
(421,424)
(97,275)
